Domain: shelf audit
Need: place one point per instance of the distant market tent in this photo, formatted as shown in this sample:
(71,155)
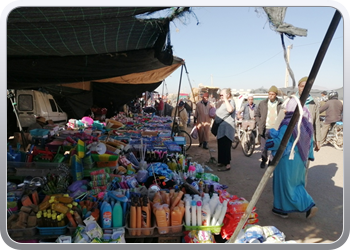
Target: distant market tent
(118,52)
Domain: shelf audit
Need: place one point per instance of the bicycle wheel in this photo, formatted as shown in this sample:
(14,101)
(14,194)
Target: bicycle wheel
(188,138)
(248,143)
(238,138)
(235,142)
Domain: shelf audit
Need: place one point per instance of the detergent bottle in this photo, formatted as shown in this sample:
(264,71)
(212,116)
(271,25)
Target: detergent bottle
(117,215)
(161,219)
(176,217)
(206,215)
(106,214)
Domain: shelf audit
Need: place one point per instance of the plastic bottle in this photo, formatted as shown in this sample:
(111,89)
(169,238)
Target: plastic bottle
(214,200)
(132,217)
(222,213)
(176,217)
(60,208)
(199,213)
(106,215)
(146,216)
(206,214)
(138,218)
(193,213)
(167,213)
(216,215)
(188,213)
(206,198)
(161,219)
(117,215)
(77,218)
(177,199)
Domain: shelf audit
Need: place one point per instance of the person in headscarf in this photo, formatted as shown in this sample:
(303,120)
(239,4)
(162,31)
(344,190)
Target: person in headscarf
(289,190)
(313,108)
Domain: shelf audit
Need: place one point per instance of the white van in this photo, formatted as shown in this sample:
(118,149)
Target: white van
(34,103)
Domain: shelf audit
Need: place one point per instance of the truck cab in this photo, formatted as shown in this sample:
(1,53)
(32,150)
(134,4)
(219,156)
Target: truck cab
(34,103)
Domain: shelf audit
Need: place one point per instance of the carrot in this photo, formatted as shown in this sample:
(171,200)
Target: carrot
(26,201)
(71,219)
(35,197)
(96,213)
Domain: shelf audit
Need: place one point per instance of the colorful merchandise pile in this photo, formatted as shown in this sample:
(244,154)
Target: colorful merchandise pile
(106,183)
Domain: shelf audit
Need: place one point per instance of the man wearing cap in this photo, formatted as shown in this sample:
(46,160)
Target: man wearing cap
(39,123)
(203,120)
(266,116)
(182,114)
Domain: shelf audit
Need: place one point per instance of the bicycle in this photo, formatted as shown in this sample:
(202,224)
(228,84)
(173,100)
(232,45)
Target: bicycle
(245,135)
(177,131)
(238,134)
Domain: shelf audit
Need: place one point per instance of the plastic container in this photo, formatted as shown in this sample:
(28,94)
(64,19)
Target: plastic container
(140,231)
(52,230)
(214,229)
(169,229)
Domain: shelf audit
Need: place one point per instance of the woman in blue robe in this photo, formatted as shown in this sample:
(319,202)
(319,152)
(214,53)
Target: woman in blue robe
(289,190)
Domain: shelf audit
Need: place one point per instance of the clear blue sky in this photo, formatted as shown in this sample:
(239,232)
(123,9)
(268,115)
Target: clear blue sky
(235,47)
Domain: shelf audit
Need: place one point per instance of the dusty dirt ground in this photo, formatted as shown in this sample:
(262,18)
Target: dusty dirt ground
(325,185)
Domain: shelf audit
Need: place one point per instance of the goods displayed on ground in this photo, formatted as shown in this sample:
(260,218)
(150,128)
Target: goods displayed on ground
(117,181)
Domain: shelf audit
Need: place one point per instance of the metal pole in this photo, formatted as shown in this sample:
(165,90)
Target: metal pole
(189,83)
(313,73)
(177,101)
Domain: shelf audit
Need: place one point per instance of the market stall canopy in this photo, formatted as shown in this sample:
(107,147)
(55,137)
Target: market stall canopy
(77,47)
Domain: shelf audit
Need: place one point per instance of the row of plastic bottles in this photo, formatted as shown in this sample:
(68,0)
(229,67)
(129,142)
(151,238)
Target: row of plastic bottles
(204,211)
